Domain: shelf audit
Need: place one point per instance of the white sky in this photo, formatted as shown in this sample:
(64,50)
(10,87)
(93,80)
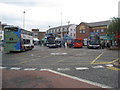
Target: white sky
(42,13)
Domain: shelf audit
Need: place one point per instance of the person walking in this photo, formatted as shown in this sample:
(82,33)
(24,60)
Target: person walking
(65,44)
(102,44)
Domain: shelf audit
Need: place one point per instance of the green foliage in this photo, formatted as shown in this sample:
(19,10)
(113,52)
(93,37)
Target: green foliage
(114,26)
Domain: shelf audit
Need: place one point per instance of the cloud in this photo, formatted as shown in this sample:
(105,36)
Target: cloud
(41,13)
(31,3)
(19,2)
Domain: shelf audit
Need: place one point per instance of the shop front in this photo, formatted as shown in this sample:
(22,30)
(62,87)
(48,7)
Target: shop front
(108,40)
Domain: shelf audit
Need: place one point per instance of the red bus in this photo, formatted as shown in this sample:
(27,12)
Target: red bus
(78,43)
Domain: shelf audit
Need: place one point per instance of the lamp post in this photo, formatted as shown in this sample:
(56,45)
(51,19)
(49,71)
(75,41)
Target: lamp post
(68,26)
(24,19)
(61,26)
(49,28)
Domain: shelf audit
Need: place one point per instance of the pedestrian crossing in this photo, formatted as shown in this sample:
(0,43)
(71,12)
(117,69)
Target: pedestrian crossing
(80,68)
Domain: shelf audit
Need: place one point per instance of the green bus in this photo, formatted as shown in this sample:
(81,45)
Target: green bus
(17,39)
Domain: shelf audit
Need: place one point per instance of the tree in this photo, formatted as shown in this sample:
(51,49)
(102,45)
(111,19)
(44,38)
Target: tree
(114,27)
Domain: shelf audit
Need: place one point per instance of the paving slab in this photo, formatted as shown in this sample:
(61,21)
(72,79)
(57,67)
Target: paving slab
(40,79)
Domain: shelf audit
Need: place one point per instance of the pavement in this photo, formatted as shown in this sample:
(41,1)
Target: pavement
(43,79)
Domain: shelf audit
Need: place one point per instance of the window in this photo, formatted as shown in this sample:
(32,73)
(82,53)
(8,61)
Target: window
(74,35)
(98,30)
(55,30)
(26,41)
(94,31)
(102,30)
(82,31)
(11,29)
(59,30)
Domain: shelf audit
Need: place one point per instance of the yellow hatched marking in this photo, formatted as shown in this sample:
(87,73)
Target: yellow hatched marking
(96,58)
(107,62)
(113,68)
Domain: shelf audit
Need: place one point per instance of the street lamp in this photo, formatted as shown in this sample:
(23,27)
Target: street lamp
(61,26)
(68,25)
(24,19)
(49,28)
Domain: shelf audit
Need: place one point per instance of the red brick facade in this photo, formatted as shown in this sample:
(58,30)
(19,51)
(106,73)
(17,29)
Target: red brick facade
(82,31)
(41,35)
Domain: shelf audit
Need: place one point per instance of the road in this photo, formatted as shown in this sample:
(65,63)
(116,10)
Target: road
(94,65)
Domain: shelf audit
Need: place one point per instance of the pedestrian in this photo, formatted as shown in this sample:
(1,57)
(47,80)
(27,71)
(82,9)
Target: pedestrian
(65,44)
(102,44)
(108,44)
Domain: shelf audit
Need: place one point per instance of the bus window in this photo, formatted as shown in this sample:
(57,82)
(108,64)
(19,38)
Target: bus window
(11,29)
(26,41)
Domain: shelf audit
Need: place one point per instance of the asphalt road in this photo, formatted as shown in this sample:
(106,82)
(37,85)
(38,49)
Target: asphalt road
(90,64)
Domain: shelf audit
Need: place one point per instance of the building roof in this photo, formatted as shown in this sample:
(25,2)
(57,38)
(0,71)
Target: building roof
(96,24)
(62,27)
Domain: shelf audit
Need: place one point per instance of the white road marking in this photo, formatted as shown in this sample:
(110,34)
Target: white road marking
(15,68)
(109,65)
(44,69)
(63,69)
(32,55)
(79,79)
(81,68)
(30,69)
(3,67)
(97,66)
(58,53)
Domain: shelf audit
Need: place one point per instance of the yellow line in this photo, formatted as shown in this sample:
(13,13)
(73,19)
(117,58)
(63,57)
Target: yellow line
(113,68)
(107,62)
(97,58)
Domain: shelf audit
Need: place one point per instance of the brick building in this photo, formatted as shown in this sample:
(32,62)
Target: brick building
(37,35)
(41,35)
(83,29)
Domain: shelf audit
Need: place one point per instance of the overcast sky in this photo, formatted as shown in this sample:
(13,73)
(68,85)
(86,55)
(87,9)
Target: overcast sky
(43,13)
